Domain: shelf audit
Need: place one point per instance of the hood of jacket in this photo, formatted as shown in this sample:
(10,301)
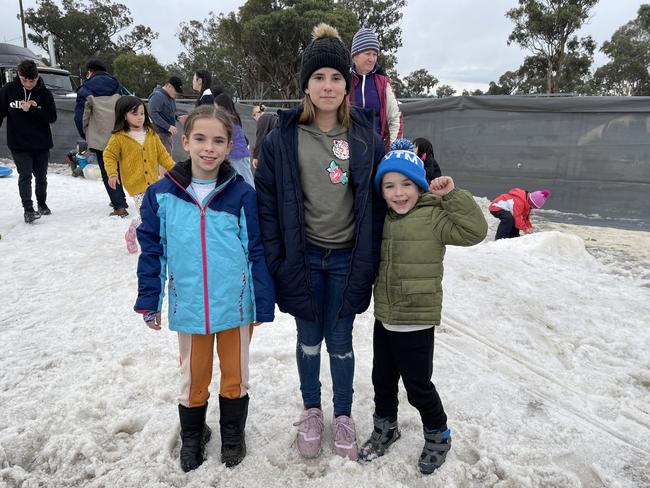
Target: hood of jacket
(102,84)
(38,88)
(16,90)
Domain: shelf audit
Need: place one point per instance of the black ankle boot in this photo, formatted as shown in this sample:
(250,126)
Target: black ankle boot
(195,434)
(233,423)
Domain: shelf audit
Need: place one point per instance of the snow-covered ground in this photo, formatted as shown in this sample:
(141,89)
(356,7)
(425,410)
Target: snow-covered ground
(542,362)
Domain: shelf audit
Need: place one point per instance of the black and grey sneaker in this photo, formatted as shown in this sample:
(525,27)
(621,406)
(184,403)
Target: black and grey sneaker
(434,453)
(43,209)
(31,216)
(386,432)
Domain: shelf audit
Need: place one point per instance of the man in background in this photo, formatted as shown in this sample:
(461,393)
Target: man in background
(94,116)
(162,109)
(29,108)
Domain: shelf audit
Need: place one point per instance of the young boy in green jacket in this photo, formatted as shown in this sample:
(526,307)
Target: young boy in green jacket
(422,219)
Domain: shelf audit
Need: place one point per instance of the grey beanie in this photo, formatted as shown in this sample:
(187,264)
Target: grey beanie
(326,50)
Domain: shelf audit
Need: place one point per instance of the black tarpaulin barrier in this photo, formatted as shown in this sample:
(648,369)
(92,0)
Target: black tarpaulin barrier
(593,153)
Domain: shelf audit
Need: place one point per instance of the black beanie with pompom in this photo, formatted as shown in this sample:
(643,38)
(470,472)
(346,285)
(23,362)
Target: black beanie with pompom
(326,50)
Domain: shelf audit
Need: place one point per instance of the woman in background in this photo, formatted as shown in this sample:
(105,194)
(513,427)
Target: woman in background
(201,84)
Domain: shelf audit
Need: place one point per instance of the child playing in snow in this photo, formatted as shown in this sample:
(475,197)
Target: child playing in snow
(79,159)
(513,210)
(422,219)
(200,228)
(135,152)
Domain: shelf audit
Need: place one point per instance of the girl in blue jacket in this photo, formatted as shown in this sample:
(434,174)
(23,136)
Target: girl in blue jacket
(200,230)
(321,226)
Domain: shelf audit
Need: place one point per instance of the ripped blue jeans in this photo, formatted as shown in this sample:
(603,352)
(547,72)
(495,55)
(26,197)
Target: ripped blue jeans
(328,269)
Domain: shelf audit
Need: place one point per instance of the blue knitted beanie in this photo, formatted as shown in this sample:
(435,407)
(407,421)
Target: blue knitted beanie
(403,162)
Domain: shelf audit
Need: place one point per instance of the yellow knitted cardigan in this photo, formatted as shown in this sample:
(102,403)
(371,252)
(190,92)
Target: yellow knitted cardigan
(138,164)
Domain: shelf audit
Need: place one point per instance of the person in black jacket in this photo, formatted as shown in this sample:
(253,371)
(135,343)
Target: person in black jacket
(29,108)
(321,226)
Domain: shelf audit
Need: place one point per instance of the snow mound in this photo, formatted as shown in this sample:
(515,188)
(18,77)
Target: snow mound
(550,244)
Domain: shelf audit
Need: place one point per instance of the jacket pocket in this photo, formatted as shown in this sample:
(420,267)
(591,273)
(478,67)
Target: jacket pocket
(419,287)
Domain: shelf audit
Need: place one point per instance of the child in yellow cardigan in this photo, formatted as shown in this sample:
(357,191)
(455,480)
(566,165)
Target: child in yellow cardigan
(133,155)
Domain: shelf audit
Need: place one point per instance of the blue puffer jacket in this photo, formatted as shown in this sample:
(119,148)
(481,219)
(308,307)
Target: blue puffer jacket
(281,206)
(101,84)
(213,256)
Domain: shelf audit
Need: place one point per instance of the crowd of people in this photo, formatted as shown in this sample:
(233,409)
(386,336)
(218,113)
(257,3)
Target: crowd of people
(331,207)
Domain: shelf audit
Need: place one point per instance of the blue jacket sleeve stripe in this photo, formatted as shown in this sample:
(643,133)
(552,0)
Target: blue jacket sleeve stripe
(152,265)
(263,288)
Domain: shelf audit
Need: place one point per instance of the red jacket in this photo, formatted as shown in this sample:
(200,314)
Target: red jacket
(515,202)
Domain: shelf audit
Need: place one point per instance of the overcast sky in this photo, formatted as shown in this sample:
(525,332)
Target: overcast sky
(461,42)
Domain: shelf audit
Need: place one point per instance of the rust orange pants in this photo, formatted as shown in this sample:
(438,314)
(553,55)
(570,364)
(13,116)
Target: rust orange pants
(197,356)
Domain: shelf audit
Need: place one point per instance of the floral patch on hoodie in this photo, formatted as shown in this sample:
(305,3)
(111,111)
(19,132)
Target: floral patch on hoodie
(337,175)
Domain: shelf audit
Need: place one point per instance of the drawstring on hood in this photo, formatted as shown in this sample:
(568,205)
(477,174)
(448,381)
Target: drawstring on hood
(27,98)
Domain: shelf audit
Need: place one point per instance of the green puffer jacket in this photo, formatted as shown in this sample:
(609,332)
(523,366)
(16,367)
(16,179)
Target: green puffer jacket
(408,288)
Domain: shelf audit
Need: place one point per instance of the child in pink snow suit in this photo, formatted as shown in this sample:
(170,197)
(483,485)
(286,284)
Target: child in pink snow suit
(513,210)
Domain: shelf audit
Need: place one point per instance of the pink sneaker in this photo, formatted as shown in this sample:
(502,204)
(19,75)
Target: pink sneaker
(131,240)
(310,428)
(344,437)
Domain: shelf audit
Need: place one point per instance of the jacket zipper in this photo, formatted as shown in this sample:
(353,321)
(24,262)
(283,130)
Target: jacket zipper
(204,251)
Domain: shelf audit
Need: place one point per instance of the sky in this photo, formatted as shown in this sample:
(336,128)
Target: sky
(461,42)
(542,362)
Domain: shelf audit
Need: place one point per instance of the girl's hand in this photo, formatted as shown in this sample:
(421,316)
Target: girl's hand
(155,322)
(113,181)
(441,185)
